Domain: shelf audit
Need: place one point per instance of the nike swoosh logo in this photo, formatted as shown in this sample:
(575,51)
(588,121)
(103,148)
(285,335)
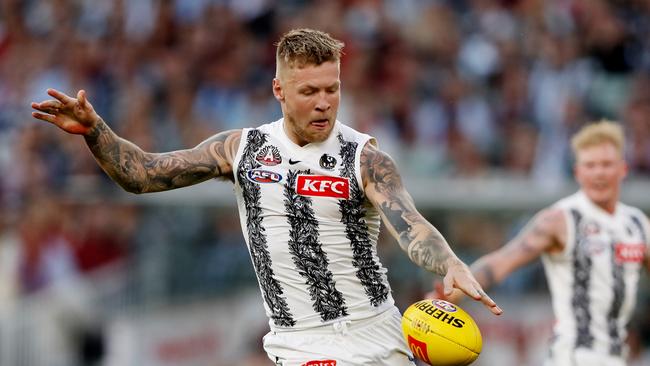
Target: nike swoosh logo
(293,161)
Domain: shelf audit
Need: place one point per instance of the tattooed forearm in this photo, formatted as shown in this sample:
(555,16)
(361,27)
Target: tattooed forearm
(432,253)
(138,171)
(484,274)
(396,219)
(424,245)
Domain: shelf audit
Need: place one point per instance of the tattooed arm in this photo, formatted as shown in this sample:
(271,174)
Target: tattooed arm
(423,243)
(133,169)
(546,232)
(139,172)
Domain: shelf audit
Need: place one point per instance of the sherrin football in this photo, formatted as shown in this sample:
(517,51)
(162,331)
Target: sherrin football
(441,333)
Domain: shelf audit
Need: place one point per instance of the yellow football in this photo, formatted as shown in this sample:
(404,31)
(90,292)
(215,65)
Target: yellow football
(441,333)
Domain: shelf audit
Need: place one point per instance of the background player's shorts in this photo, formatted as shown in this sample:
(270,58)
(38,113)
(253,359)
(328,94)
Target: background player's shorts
(376,341)
(569,356)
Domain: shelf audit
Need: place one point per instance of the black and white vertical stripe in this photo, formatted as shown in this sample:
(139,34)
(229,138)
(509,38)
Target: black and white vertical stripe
(271,289)
(637,222)
(618,288)
(581,280)
(356,229)
(307,252)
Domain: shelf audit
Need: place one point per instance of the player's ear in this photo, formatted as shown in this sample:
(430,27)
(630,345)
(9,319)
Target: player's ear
(277,90)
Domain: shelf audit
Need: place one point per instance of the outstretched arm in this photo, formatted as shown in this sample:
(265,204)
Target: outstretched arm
(543,233)
(423,243)
(132,168)
(546,232)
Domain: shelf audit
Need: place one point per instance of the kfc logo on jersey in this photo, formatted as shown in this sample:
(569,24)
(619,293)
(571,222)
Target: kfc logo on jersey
(263,176)
(323,186)
(320,363)
(630,253)
(269,155)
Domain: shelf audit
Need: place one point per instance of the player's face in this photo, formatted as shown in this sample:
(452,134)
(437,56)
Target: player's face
(599,170)
(310,97)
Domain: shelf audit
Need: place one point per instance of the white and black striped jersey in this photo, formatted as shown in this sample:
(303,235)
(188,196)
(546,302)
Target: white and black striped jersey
(310,230)
(593,282)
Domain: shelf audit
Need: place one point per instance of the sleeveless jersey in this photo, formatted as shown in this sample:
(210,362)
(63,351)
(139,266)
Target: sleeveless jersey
(311,232)
(593,282)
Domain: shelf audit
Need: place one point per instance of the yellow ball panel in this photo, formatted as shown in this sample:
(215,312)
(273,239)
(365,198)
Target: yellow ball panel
(449,334)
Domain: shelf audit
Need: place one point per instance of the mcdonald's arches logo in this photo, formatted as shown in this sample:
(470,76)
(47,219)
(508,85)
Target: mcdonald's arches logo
(419,349)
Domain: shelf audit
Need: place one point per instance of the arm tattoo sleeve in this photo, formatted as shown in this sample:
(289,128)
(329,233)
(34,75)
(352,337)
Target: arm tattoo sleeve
(138,171)
(484,275)
(424,245)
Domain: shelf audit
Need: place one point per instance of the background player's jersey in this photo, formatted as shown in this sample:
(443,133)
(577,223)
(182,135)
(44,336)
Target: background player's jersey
(593,282)
(311,232)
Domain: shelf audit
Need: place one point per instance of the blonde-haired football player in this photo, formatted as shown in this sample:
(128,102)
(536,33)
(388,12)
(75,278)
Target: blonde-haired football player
(592,247)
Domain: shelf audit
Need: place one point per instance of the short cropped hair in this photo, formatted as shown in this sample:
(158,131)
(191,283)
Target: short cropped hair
(599,133)
(300,47)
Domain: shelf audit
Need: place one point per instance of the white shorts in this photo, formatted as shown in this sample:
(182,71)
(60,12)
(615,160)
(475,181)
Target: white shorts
(375,341)
(569,356)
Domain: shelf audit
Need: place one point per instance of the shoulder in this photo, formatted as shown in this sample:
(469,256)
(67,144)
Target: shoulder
(371,155)
(636,214)
(261,131)
(551,216)
(223,145)
(225,137)
(268,127)
(550,222)
(571,201)
(377,166)
(350,134)
(631,210)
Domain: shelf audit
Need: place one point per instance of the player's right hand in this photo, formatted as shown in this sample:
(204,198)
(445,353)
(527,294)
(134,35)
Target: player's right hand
(438,292)
(72,115)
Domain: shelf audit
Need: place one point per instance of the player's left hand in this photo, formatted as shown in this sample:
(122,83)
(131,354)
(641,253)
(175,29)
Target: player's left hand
(460,277)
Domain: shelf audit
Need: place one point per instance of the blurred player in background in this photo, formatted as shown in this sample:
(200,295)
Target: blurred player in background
(592,247)
(311,192)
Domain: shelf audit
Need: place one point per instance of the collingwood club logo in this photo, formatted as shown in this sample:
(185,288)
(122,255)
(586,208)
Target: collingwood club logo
(327,162)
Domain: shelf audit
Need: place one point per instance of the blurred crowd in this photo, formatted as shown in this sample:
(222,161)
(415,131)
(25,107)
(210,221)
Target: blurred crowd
(469,87)
(462,88)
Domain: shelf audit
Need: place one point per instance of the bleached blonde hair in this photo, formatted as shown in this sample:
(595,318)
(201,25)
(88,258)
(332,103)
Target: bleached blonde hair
(300,47)
(597,133)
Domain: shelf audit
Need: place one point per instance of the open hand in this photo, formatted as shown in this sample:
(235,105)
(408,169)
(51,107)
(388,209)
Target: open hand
(72,115)
(460,277)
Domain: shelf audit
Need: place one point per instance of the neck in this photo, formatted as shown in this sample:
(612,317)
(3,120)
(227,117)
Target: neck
(293,136)
(609,207)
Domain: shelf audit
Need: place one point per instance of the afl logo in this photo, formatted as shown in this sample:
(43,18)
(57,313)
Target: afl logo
(444,306)
(263,176)
(327,162)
